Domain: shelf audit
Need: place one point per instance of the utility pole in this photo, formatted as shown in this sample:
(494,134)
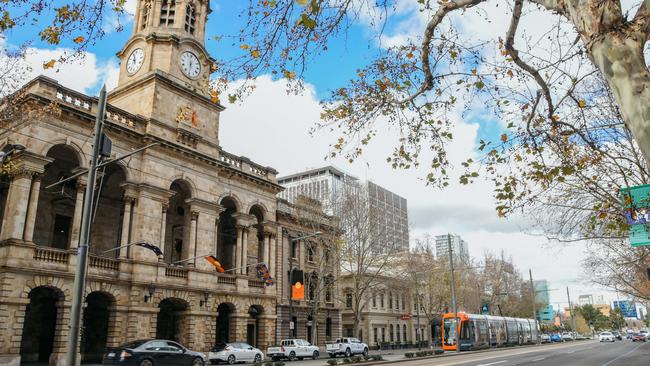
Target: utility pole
(453,292)
(418,333)
(573,318)
(82,251)
(533,294)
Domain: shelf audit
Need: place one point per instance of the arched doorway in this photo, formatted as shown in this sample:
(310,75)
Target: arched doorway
(96,318)
(56,206)
(253,325)
(177,223)
(107,222)
(223,330)
(227,233)
(39,327)
(171,324)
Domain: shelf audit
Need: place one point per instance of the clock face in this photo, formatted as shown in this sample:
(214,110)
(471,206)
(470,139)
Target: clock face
(135,60)
(190,64)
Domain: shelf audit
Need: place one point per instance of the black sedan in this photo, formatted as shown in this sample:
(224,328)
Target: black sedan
(153,352)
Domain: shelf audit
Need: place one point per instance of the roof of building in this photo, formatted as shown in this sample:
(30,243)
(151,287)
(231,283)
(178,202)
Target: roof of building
(314,172)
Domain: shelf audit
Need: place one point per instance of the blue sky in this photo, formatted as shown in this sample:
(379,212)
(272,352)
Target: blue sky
(273,137)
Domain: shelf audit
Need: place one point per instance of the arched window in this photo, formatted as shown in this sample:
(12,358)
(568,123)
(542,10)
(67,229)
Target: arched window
(167,12)
(190,18)
(146,10)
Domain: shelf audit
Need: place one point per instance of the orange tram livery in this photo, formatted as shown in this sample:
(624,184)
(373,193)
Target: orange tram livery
(486,331)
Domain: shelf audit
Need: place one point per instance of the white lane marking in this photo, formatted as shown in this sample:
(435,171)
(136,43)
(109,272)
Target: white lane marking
(492,363)
(624,354)
(538,359)
(570,352)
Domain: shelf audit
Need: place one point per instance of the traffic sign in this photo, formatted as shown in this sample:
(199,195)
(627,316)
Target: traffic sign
(636,205)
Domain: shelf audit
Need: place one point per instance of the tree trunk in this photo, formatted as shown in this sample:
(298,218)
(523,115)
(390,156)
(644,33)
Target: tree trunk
(620,59)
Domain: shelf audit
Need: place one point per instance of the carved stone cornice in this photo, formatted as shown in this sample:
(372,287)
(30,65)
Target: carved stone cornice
(28,164)
(205,206)
(244,220)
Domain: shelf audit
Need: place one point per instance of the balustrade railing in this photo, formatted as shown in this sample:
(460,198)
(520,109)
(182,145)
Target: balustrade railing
(256,283)
(104,263)
(176,272)
(50,255)
(226,280)
(72,98)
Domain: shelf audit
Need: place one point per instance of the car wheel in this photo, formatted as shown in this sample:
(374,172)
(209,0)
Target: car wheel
(365,352)
(146,362)
(258,358)
(332,355)
(348,353)
(292,356)
(231,360)
(315,355)
(198,362)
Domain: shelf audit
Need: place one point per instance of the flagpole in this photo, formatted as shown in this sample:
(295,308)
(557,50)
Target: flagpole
(206,255)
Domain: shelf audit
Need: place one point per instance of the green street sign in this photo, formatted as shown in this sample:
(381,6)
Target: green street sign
(636,203)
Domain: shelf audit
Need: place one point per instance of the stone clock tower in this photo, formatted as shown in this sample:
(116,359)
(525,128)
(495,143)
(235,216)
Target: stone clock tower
(165,71)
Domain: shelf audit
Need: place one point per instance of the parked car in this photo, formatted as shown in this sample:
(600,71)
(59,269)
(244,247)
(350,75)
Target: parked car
(292,349)
(617,335)
(234,352)
(606,337)
(545,338)
(153,352)
(645,334)
(556,337)
(638,337)
(566,336)
(347,347)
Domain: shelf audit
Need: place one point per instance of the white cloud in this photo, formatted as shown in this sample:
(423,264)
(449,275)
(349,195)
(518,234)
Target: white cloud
(83,75)
(271,128)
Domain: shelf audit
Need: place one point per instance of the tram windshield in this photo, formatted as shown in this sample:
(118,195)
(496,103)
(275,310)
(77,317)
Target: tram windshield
(451,331)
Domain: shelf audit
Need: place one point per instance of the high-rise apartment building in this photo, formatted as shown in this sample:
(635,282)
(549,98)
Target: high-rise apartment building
(458,247)
(327,183)
(542,295)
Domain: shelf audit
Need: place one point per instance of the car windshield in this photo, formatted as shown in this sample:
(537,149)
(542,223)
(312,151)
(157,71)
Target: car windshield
(451,331)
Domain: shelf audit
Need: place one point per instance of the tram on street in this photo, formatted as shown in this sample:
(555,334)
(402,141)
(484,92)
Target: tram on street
(486,331)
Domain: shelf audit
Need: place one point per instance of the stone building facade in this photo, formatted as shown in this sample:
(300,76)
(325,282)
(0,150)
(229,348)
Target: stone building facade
(185,195)
(389,316)
(301,248)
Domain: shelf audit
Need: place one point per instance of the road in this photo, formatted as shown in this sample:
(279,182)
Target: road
(583,353)
(589,353)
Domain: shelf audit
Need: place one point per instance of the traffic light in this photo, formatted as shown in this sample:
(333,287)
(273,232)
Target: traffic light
(485,308)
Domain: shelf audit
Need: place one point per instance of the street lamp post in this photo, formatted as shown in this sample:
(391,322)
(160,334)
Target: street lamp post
(453,292)
(292,325)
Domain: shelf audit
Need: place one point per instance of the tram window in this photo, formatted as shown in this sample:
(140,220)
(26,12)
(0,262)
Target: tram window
(450,331)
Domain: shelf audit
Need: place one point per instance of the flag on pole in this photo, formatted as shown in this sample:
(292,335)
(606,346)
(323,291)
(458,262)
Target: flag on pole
(213,260)
(297,285)
(151,247)
(264,275)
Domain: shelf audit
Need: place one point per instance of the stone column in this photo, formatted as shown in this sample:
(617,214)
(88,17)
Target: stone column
(191,250)
(237,331)
(272,255)
(13,225)
(126,226)
(216,238)
(301,254)
(244,252)
(163,226)
(28,235)
(238,259)
(265,249)
(76,219)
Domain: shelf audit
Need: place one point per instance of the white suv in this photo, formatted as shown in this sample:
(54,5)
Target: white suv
(293,349)
(347,347)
